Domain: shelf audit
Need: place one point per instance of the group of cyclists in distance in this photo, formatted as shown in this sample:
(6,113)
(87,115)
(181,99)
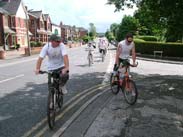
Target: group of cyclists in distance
(102,44)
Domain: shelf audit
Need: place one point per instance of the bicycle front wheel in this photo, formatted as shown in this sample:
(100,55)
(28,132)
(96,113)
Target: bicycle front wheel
(114,84)
(130,92)
(51,109)
(60,99)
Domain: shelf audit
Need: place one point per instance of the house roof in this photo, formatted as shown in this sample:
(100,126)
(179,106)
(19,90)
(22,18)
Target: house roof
(3,11)
(45,16)
(36,13)
(82,29)
(11,6)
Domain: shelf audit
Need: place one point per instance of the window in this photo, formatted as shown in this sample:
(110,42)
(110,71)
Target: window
(56,32)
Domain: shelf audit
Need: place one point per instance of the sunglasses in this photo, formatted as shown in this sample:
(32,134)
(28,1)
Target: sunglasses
(129,41)
(58,41)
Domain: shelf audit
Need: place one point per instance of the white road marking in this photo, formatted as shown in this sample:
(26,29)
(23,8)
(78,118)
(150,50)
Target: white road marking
(5,80)
(109,68)
(17,62)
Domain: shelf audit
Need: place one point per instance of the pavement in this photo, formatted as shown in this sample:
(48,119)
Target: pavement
(158,111)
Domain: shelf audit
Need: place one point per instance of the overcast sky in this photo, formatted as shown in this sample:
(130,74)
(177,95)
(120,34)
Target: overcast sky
(79,12)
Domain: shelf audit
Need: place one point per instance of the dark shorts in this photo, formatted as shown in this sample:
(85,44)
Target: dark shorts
(102,50)
(125,62)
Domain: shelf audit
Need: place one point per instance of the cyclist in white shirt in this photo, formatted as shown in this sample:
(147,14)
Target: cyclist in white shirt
(58,60)
(125,49)
(102,46)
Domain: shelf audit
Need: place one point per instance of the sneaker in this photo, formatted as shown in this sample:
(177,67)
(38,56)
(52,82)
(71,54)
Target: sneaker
(64,90)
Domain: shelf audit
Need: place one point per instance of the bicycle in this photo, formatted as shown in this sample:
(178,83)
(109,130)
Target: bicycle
(103,52)
(55,97)
(125,83)
(90,56)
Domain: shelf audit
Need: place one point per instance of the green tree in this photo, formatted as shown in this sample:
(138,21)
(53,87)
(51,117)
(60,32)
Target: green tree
(109,35)
(128,24)
(92,31)
(167,13)
(114,29)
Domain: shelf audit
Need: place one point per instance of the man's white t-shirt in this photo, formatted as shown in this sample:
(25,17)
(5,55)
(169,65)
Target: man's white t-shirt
(125,53)
(102,45)
(55,55)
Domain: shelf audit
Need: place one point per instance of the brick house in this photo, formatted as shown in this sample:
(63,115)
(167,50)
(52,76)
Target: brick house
(82,32)
(39,26)
(14,24)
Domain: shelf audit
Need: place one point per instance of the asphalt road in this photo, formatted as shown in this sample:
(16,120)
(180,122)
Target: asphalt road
(90,109)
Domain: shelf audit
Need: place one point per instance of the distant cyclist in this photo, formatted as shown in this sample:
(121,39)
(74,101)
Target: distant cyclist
(58,60)
(102,46)
(90,49)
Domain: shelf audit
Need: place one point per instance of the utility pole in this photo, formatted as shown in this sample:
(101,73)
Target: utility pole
(28,49)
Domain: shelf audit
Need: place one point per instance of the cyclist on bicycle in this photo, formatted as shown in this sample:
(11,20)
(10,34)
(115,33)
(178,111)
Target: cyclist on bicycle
(90,48)
(58,59)
(125,48)
(102,46)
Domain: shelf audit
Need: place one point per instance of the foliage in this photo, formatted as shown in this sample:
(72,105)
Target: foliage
(163,17)
(148,38)
(86,38)
(32,43)
(114,29)
(109,35)
(17,46)
(36,44)
(128,24)
(169,49)
(92,30)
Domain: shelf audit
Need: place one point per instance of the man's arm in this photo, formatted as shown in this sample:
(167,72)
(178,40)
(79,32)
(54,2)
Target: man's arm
(66,63)
(133,55)
(38,65)
(118,51)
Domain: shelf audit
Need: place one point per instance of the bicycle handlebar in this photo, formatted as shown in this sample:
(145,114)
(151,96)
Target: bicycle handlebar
(131,65)
(46,72)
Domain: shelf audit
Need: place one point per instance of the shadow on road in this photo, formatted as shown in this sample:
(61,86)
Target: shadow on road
(159,96)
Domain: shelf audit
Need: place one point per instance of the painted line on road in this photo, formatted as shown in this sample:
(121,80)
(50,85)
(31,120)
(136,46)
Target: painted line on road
(109,68)
(18,76)
(33,129)
(76,114)
(40,134)
(17,62)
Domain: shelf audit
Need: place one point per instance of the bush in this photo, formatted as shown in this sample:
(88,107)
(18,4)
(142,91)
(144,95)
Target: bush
(138,40)
(17,46)
(32,43)
(39,44)
(169,49)
(148,38)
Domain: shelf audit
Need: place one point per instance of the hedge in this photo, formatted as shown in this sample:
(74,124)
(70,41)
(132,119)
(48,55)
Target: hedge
(147,38)
(169,49)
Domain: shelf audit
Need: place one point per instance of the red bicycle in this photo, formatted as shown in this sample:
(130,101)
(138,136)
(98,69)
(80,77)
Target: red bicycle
(122,81)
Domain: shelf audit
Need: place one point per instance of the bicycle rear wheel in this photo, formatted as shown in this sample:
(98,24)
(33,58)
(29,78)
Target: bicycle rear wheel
(114,85)
(103,56)
(51,109)
(89,60)
(130,92)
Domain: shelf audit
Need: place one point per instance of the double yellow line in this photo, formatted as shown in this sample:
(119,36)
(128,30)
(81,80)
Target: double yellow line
(66,105)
